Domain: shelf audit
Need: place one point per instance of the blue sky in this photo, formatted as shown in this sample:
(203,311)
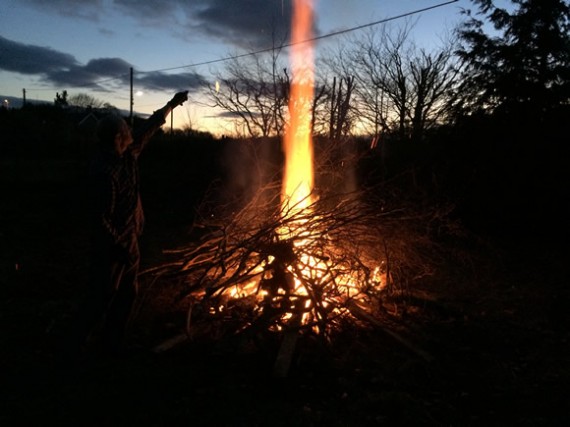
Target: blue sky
(87,46)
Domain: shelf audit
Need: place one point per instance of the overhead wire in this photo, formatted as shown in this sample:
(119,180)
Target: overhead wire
(321,37)
(270,49)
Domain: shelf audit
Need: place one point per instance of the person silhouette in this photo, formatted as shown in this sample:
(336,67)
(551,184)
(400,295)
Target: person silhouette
(117,221)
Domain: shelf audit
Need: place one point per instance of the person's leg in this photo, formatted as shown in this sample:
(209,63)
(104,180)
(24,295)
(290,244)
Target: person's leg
(123,299)
(103,273)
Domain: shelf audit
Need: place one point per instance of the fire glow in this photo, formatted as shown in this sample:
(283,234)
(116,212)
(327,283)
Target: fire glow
(298,175)
(300,267)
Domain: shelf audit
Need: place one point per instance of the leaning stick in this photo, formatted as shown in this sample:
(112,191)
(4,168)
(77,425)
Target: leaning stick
(358,312)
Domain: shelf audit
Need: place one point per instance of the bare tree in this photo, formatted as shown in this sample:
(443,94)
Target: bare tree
(339,123)
(254,89)
(86,101)
(377,76)
(398,87)
(61,100)
(434,77)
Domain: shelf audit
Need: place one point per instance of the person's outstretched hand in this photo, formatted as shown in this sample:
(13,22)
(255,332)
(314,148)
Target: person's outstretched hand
(179,99)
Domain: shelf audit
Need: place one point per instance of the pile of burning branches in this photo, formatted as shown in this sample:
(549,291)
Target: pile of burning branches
(310,270)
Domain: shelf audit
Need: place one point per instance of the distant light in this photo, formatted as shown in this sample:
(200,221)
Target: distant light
(139,93)
(217,86)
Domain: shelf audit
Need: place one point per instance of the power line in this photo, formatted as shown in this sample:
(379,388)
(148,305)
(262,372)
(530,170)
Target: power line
(324,36)
(383,21)
(285,45)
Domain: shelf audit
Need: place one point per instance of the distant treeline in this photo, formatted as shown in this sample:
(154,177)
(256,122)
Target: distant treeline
(504,172)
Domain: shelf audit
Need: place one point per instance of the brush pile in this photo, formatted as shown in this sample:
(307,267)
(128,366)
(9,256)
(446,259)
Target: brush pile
(266,268)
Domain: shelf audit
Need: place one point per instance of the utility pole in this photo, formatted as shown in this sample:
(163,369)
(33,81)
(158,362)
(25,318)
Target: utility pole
(23,97)
(132,99)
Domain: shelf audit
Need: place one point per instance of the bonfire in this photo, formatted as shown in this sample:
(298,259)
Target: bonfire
(291,262)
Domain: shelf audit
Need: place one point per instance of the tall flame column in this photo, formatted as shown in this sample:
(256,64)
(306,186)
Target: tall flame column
(298,175)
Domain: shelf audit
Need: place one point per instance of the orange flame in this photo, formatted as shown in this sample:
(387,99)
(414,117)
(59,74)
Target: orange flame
(297,197)
(298,174)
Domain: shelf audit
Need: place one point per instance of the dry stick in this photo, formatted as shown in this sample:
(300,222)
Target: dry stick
(170,343)
(362,314)
(287,348)
(388,272)
(243,237)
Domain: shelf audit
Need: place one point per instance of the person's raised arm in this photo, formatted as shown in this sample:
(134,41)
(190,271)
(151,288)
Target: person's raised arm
(158,118)
(178,99)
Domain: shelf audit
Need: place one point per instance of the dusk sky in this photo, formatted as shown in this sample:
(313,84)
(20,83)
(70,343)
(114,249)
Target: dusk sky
(88,46)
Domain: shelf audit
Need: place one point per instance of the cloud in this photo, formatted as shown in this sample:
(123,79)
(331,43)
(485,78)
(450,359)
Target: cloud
(64,70)
(29,59)
(84,9)
(245,23)
(181,81)
(153,11)
(93,75)
(249,24)
(107,67)
(229,115)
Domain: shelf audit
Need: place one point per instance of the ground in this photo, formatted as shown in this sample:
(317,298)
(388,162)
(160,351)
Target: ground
(489,342)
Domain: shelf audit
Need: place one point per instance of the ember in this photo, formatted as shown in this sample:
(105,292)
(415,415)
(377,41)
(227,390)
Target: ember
(244,273)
